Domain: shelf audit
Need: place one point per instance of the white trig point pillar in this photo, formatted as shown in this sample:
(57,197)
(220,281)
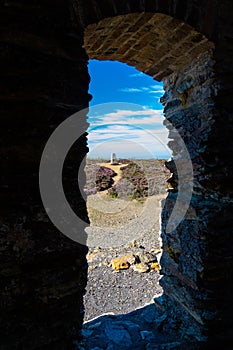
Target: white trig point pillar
(113,158)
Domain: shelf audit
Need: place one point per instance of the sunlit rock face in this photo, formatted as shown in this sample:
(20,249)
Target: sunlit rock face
(45,80)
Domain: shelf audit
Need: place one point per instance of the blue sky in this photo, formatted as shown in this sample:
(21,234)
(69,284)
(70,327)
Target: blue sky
(125,115)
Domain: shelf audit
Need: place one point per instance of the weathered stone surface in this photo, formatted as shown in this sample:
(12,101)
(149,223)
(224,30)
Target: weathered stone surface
(141,48)
(45,80)
(44,77)
(155,266)
(118,334)
(141,267)
(146,257)
(141,262)
(123,262)
(185,250)
(136,330)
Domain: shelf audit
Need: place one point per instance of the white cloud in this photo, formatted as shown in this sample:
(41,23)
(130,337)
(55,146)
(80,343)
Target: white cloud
(143,127)
(152,89)
(136,75)
(140,145)
(125,132)
(128,89)
(128,149)
(157,87)
(159,92)
(155,140)
(133,117)
(129,112)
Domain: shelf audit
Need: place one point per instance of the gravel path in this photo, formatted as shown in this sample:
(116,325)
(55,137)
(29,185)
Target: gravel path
(119,227)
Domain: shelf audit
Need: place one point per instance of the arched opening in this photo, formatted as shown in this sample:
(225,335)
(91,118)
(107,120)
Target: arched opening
(125,210)
(170,50)
(44,70)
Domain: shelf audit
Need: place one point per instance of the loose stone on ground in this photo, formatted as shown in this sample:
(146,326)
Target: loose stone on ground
(122,278)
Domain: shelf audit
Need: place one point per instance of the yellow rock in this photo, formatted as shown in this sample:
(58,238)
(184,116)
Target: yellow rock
(130,258)
(141,267)
(123,262)
(155,266)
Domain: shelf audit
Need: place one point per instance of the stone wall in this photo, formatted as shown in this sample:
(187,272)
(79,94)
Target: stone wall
(169,49)
(44,80)
(155,44)
(190,113)
(198,253)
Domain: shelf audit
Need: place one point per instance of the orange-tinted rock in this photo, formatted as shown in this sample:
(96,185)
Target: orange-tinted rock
(141,267)
(123,262)
(155,266)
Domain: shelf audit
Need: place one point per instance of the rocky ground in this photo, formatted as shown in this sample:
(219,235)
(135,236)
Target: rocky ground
(123,272)
(124,244)
(122,289)
(138,330)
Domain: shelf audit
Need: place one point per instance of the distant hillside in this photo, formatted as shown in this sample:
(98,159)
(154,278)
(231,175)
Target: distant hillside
(138,178)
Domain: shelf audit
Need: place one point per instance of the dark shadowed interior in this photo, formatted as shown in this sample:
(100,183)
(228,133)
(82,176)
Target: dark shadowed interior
(45,47)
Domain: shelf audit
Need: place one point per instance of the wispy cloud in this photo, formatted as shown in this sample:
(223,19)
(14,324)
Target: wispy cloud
(128,89)
(129,142)
(136,75)
(157,87)
(144,117)
(152,89)
(143,127)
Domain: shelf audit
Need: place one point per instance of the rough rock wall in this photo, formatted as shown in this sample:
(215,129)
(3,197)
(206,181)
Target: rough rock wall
(196,99)
(195,253)
(198,253)
(44,80)
(188,104)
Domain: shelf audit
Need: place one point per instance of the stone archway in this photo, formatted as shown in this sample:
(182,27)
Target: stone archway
(155,44)
(44,71)
(169,49)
